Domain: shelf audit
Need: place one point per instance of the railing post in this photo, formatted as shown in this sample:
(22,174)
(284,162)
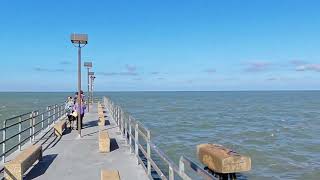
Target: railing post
(4,143)
(122,122)
(19,136)
(59,113)
(54,113)
(181,166)
(171,173)
(119,118)
(148,153)
(30,126)
(49,114)
(42,119)
(136,141)
(130,132)
(33,124)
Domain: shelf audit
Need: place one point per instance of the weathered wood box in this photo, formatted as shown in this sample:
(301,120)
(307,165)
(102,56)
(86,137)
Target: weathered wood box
(221,159)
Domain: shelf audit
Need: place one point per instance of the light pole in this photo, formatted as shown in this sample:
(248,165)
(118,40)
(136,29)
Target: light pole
(92,77)
(79,41)
(88,65)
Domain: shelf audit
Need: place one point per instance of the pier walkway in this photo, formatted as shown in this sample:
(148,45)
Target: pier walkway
(77,158)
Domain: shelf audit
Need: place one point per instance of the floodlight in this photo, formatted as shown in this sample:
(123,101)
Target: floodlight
(87,64)
(79,38)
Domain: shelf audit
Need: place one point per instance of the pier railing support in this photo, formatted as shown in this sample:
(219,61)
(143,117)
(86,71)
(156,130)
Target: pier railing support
(4,143)
(48,109)
(30,125)
(136,141)
(130,133)
(148,153)
(19,136)
(171,173)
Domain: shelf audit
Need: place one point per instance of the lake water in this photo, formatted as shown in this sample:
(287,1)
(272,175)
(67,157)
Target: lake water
(279,130)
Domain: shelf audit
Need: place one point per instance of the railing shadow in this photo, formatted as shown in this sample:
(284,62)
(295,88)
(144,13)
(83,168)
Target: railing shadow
(41,167)
(113,144)
(90,124)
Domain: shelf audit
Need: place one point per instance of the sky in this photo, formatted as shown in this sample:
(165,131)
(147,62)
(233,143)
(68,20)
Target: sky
(167,45)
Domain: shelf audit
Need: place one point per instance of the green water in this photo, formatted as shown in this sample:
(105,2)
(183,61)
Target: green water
(279,130)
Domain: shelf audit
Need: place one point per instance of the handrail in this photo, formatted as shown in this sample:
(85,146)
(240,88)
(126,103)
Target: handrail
(50,115)
(131,129)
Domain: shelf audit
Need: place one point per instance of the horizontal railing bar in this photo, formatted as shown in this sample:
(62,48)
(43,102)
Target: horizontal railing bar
(196,168)
(35,133)
(15,117)
(157,169)
(25,129)
(11,125)
(26,119)
(164,157)
(27,138)
(143,135)
(143,151)
(10,138)
(142,164)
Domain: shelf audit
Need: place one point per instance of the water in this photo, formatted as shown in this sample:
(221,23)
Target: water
(279,130)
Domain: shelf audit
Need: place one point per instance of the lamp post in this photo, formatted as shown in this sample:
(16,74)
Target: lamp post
(88,65)
(92,77)
(79,41)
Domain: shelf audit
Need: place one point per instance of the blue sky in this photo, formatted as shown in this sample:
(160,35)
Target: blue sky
(162,45)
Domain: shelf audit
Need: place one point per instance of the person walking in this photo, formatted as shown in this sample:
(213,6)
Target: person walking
(69,110)
(82,109)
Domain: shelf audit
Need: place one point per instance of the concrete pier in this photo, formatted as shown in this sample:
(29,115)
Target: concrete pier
(77,158)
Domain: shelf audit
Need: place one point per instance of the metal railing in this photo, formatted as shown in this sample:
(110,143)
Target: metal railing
(16,131)
(134,132)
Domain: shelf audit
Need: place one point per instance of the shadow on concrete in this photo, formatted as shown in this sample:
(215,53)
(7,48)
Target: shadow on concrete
(49,139)
(67,131)
(90,124)
(90,134)
(41,167)
(113,144)
(107,123)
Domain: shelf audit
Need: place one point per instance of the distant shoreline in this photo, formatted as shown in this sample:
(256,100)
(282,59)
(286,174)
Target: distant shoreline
(163,91)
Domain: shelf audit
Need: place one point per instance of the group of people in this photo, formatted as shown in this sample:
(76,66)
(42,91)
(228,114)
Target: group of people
(72,108)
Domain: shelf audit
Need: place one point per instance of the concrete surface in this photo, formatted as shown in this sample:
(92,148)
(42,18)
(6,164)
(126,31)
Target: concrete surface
(72,157)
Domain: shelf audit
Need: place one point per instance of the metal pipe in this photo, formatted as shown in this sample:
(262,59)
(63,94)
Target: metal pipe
(20,127)
(4,143)
(149,153)
(49,114)
(42,118)
(130,132)
(171,173)
(30,125)
(79,89)
(88,91)
(136,140)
